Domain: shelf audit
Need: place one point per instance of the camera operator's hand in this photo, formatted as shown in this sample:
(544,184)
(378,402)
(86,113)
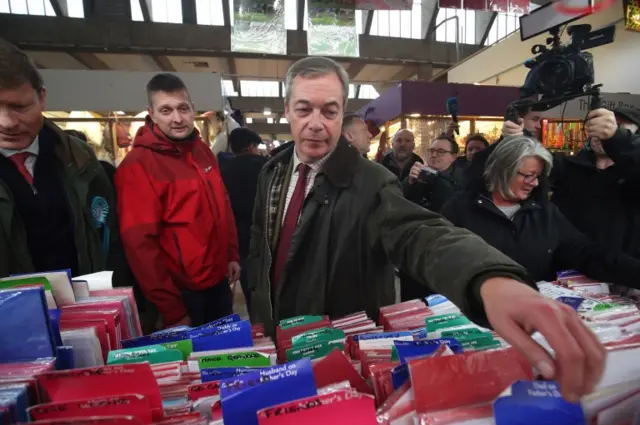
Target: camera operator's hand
(451,129)
(415,172)
(509,128)
(601,123)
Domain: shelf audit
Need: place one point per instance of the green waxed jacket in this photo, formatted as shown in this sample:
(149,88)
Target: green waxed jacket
(84,179)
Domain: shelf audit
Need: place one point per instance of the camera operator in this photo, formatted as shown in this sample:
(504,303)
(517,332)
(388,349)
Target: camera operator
(597,189)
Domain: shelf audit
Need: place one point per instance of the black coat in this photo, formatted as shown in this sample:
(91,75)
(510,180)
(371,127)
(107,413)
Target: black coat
(354,227)
(436,190)
(539,237)
(390,164)
(603,204)
(240,176)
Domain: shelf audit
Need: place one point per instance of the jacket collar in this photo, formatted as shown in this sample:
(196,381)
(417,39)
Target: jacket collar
(340,167)
(68,149)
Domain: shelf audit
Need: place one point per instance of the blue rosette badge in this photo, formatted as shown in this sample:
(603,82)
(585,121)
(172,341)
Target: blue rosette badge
(100,213)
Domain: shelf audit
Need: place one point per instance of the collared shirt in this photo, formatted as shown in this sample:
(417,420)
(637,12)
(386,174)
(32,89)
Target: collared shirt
(30,163)
(314,169)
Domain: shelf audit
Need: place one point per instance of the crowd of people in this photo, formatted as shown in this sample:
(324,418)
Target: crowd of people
(318,228)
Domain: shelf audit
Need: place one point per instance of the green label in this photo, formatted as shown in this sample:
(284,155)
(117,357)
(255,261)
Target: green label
(605,306)
(317,335)
(395,357)
(444,321)
(153,354)
(299,320)
(184,346)
(241,359)
(482,341)
(313,351)
(5,284)
(460,333)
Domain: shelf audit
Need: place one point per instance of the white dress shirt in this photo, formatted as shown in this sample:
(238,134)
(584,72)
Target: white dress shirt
(30,163)
(314,169)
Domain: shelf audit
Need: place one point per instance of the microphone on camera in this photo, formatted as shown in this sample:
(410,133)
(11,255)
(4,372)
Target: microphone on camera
(452,109)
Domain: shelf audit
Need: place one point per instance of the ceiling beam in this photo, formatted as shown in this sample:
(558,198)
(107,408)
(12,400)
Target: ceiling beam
(432,23)
(145,6)
(60,7)
(369,22)
(226,13)
(301,5)
(405,73)
(163,63)
(354,69)
(494,15)
(231,65)
(90,61)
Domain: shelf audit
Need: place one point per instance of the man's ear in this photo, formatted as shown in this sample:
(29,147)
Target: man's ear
(42,98)
(150,111)
(348,135)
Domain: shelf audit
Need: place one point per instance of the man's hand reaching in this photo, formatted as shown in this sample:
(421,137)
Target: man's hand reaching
(509,128)
(515,311)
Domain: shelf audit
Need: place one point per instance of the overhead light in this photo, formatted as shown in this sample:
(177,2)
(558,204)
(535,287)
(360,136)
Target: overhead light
(415,115)
(120,112)
(283,120)
(267,111)
(270,120)
(249,120)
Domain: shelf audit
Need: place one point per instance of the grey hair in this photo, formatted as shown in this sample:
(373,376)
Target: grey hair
(316,66)
(504,162)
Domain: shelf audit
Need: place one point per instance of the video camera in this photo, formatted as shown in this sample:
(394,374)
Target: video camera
(558,73)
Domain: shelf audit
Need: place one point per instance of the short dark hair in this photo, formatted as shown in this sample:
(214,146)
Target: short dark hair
(349,119)
(455,149)
(240,139)
(477,136)
(165,82)
(16,68)
(78,135)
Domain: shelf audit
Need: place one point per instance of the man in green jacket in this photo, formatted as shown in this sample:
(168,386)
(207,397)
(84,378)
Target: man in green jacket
(329,226)
(57,206)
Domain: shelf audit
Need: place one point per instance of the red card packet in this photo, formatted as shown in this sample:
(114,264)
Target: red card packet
(208,389)
(100,325)
(467,379)
(98,420)
(98,382)
(457,416)
(128,292)
(345,407)
(125,405)
(336,367)
(112,317)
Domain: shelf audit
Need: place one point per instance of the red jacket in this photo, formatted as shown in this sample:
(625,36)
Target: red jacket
(176,220)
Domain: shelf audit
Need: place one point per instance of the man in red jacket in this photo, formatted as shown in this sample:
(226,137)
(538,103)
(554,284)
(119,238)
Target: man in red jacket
(177,224)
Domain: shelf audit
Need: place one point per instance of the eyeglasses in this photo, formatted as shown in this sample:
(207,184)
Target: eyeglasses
(438,152)
(529,178)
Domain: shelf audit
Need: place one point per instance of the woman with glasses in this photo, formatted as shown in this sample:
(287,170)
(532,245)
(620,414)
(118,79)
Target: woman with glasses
(508,207)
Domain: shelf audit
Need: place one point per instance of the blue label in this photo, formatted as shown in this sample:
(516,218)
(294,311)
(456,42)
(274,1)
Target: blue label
(435,300)
(243,396)
(170,330)
(412,349)
(399,375)
(419,333)
(222,321)
(573,302)
(222,373)
(568,273)
(534,403)
(384,335)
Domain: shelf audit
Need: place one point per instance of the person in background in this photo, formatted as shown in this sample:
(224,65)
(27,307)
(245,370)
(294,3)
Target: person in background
(224,126)
(401,158)
(509,208)
(329,226)
(433,184)
(107,166)
(49,183)
(177,225)
(474,144)
(240,175)
(430,186)
(598,189)
(356,131)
